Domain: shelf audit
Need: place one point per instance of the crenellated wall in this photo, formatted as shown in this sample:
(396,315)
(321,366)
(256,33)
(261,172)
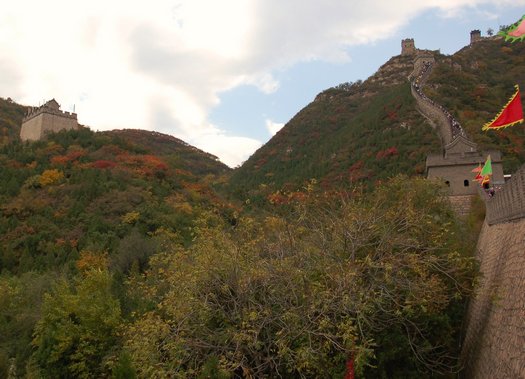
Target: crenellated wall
(494,342)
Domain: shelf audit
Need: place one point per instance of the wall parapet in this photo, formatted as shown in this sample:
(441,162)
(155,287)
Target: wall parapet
(508,204)
(34,112)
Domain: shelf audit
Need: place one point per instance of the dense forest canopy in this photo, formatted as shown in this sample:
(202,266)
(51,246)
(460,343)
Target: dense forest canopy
(379,277)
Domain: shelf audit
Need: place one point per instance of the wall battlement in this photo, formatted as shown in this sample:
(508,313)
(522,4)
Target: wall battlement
(495,326)
(494,338)
(34,112)
(509,203)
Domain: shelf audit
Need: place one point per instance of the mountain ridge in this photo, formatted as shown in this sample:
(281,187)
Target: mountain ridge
(364,114)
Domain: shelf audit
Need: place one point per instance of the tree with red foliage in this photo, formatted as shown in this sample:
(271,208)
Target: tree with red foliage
(102,164)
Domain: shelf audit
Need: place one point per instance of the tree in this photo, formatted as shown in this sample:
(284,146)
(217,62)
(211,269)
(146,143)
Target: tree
(379,278)
(77,331)
(49,177)
(20,303)
(490,32)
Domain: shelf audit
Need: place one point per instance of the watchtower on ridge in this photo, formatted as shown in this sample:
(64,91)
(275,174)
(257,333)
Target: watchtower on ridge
(408,47)
(454,166)
(475,36)
(47,118)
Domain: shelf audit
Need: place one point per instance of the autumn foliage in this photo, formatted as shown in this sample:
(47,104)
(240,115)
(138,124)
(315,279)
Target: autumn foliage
(298,296)
(49,177)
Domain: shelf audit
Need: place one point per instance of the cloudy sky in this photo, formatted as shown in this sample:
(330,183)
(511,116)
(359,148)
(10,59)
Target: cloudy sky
(223,75)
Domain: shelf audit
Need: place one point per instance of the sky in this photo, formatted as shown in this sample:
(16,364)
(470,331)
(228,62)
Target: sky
(222,75)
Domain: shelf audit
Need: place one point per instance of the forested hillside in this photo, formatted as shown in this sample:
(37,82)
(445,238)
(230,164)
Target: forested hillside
(376,281)
(369,131)
(353,133)
(474,84)
(78,195)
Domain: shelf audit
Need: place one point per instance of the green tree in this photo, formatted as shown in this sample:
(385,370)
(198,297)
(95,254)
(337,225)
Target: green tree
(77,331)
(20,303)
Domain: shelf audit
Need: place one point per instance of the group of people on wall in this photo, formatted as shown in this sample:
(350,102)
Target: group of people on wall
(455,126)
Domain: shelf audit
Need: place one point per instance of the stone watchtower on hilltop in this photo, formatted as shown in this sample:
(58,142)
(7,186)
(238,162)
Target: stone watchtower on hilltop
(47,118)
(408,47)
(475,36)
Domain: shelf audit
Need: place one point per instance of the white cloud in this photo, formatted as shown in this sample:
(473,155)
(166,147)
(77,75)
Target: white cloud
(231,149)
(160,65)
(265,82)
(273,127)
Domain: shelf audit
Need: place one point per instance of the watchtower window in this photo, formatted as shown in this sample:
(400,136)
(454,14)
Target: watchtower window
(466,183)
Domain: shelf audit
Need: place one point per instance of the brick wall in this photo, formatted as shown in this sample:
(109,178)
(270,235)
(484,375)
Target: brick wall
(31,130)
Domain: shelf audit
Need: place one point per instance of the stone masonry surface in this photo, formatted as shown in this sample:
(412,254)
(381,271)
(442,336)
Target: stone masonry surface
(509,202)
(461,204)
(494,344)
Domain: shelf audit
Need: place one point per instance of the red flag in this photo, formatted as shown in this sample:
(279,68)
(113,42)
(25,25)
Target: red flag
(511,114)
(478,178)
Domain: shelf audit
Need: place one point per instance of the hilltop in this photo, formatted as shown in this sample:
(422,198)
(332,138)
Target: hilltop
(190,158)
(81,190)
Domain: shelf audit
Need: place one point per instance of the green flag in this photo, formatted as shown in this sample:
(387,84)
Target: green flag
(487,168)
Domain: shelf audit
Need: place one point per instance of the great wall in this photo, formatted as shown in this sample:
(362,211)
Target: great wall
(494,334)
(459,153)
